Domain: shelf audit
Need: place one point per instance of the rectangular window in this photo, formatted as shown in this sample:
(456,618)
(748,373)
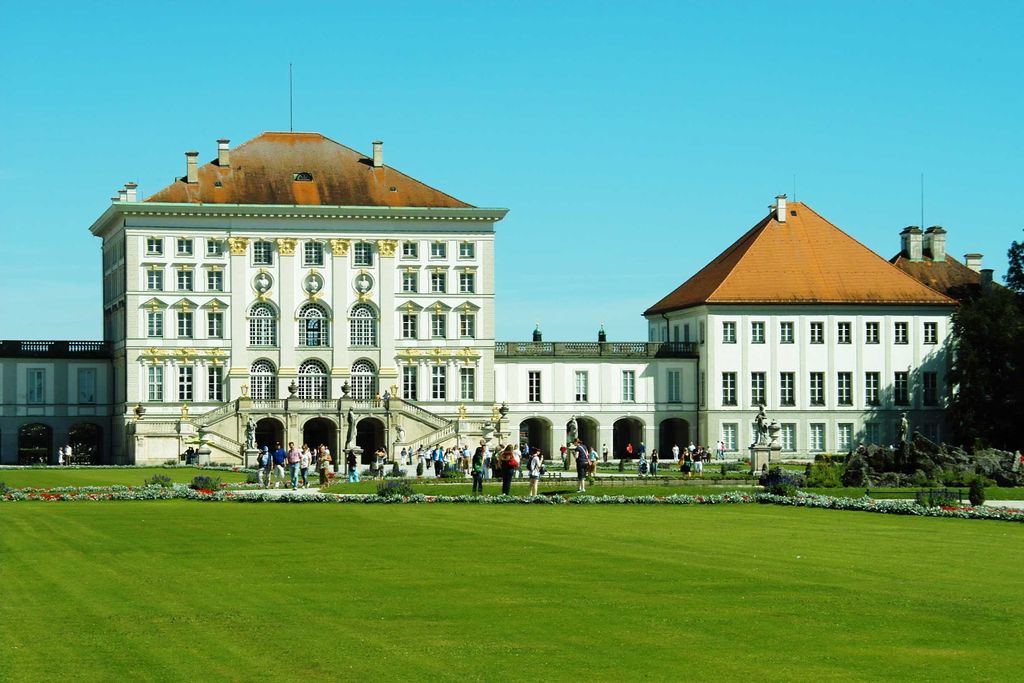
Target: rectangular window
(409,326)
(757,332)
(214,247)
(439,382)
(729,434)
(262,253)
(155,246)
(844,334)
(931,333)
(872,433)
(787,436)
(155,279)
(686,333)
(582,382)
(215,325)
(409,376)
(438,250)
(728,388)
(467,250)
(155,324)
(467,283)
(901,389)
(899,333)
(184,382)
(156,382)
(438,325)
(467,384)
(817,437)
(533,386)
(214,383)
(362,254)
(817,333)
(674,386)
(844,436)
(930,380)
(872,381)
(728,332)
(757,392)
(438,282)
(214,281)
(700,331)
(185,324)
(185,280)
(786,332)
(467,325)
(313,254)
(87,385)
(870,333)
(817,388)
(628,386)
(787,389)
(844,388)
(410,281)
(36,389)
(410,249)
(184,246)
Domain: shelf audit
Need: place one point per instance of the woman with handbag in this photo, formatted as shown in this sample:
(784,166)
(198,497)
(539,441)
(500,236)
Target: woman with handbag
(509,466)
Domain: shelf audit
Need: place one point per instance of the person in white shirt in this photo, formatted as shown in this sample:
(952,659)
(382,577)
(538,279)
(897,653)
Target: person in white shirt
(534,471)
(675,453)
(304,462)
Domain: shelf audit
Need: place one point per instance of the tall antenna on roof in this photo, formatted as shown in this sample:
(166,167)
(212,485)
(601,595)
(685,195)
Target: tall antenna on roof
(922,201)
(291,127)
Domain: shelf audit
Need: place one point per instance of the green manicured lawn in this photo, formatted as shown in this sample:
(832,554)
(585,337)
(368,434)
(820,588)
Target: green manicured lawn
(521,487)
(105,476)
(201,591)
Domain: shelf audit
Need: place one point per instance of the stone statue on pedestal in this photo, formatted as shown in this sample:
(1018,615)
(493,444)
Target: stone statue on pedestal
(250,434)
(761,425)
(350,432)
(573,429)
(901,434)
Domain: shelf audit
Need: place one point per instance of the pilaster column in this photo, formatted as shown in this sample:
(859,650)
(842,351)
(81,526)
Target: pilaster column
(340,362)
(288,284)
(237,325)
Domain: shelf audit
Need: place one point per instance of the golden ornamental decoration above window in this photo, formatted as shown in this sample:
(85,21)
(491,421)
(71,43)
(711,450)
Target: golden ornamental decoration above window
(286,246)
(339,247)
(238,245)
(387,248)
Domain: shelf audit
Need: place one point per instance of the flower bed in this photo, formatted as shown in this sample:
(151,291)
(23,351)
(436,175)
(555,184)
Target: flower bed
(810,500)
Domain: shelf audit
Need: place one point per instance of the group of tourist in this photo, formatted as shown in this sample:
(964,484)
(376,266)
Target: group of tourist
(270,466)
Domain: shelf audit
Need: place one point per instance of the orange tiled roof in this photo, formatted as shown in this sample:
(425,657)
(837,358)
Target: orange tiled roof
(262,171)
(950,277)
(805,260)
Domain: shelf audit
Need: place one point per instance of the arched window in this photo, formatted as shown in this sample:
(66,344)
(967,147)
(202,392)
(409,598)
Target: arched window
(313,326)
(262,325)
(313,380)
(364,326)
(263,380)
(364,380)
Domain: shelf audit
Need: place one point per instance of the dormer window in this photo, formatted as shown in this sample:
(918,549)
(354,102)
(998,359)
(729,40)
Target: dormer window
(304,176)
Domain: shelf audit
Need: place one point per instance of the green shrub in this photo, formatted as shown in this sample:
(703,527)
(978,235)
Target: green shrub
(398,488)
(252,478)
(823,475)
(160,480)
(937,497)
(780,482)
(622,465)
(205,483)
(419,469)
(976,494)
(4,488)
(452,472)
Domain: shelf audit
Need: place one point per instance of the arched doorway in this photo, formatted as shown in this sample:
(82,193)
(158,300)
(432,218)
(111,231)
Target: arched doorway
(674,431)
(269,433)
(370,437)
(589,430)
(320,431)
(35,444)
(536,431)
(86,441)
(627,430)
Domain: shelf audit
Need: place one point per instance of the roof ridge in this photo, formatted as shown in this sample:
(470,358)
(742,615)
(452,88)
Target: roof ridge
(759,228)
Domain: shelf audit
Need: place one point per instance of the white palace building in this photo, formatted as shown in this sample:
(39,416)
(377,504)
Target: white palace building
(297,282)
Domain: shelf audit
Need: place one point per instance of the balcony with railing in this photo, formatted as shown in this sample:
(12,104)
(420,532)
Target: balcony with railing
(507,349)
(41,348)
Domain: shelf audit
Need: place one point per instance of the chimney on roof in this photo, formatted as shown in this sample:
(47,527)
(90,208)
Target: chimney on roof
(191,167)
(973,261)
(223,153)
(122,195)
(986,279)
(935,243)
(910,242)
(780,208)
(378,153)
(130,191)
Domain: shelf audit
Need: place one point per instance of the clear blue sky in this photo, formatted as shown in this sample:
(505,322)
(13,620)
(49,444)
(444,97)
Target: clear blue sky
(631,141)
